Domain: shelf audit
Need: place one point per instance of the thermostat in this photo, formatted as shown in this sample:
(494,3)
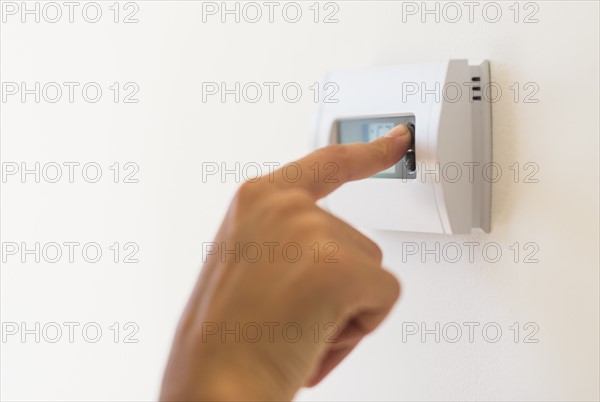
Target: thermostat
(442,185)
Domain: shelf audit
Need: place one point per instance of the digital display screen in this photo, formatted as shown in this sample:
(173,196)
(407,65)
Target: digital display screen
(369,129)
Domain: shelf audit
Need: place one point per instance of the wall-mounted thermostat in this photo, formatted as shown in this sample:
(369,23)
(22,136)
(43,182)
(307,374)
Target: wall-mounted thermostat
(443,184)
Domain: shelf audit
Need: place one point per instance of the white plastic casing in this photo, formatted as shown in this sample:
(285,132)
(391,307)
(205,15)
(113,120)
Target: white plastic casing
(452,138)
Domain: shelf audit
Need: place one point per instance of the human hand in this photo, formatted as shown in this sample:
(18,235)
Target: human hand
(265,320)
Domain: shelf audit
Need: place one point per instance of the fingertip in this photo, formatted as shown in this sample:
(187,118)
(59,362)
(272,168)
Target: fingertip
(399,139)
(399,131)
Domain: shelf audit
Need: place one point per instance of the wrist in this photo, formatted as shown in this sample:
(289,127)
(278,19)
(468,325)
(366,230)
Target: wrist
(217,375)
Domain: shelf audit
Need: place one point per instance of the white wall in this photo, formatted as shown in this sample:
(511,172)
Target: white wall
(170,212)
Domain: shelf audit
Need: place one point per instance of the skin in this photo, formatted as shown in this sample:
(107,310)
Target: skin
(231,343)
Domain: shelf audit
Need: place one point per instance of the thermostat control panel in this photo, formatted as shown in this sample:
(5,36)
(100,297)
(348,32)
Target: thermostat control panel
(440,186)
(368,129)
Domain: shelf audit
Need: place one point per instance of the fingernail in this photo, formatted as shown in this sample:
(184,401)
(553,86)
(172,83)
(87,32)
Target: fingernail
(398,131)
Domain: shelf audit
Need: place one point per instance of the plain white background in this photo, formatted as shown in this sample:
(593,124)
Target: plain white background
(171,211)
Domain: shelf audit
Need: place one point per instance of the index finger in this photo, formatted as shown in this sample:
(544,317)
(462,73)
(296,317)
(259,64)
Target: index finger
(326,169)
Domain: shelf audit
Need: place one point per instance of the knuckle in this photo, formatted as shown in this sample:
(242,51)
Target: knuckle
(313,226)
(298,196)
(378,254)
(248,193)
(395,286)
(336,149)
(338,154)
(384,151)
(291,200)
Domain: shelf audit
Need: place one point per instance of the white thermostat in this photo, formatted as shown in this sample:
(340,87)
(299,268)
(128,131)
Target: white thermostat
(443,184)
